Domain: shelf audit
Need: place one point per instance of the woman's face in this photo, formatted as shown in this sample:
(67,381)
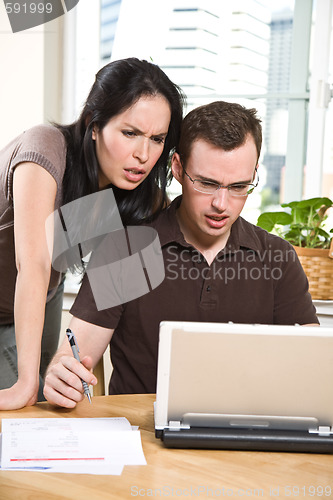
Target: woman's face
(130,144)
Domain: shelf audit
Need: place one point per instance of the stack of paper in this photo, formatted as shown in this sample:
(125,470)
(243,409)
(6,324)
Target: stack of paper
(72,445)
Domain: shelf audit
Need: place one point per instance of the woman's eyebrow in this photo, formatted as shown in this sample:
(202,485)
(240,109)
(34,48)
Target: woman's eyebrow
(140,132)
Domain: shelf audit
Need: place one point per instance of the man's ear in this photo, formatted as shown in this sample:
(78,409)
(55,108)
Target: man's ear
(176,168)
(256,171)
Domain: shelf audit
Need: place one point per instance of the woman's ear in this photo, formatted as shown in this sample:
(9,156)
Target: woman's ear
(176,168)
(94,129)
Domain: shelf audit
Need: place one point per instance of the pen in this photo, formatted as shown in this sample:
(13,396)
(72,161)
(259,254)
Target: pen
(75,351)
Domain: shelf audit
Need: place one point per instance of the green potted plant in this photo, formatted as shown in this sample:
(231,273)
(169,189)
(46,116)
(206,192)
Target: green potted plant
(303,225)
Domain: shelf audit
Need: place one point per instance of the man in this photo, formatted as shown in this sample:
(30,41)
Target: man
(218,267)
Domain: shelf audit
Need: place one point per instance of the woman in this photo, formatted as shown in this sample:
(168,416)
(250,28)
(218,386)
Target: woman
(129,125)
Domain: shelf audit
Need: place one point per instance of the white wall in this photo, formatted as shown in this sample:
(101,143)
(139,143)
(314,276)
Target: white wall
(47,71)
(31,76)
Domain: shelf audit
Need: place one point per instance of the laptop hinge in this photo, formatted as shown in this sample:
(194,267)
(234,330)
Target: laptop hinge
(177,425)
(322,430)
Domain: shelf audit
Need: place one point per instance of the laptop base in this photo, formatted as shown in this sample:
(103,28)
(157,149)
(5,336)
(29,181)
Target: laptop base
(247,440)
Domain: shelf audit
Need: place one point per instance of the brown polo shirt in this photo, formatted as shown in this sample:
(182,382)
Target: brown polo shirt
(257,278)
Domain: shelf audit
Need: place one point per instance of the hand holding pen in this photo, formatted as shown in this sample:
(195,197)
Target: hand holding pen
(75,351)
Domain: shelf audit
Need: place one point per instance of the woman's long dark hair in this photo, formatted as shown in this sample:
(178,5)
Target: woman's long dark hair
(117,86)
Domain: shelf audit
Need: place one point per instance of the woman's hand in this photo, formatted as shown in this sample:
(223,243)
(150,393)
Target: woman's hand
(18,396)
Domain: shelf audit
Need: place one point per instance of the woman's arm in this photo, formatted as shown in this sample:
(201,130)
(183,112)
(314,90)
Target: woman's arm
(34,192)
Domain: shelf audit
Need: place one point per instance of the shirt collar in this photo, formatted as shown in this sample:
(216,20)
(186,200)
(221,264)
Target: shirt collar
(243,234)
(167,225)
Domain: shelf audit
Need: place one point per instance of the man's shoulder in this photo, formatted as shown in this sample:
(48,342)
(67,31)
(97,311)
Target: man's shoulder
(162,218)
(166,223)
(256,236)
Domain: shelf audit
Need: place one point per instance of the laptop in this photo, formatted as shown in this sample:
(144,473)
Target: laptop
(245,387)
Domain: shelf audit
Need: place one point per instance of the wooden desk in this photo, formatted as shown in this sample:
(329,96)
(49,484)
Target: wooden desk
(170,473)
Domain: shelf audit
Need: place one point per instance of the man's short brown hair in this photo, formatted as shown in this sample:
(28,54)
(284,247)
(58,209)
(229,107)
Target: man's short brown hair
(225,125)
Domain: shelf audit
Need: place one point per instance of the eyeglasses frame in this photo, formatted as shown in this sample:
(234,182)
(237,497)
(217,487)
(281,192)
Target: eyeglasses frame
(220,186)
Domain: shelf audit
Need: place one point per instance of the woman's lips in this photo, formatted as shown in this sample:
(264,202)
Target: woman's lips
(134,174)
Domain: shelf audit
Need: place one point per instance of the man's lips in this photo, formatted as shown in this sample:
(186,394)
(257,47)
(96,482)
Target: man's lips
(217,221)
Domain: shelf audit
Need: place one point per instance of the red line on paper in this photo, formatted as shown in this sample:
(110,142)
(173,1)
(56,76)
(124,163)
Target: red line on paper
(48,459)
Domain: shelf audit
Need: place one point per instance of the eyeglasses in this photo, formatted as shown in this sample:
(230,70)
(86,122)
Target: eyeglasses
(236,189)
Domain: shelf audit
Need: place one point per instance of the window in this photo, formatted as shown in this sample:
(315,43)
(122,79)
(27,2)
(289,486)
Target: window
(261,53)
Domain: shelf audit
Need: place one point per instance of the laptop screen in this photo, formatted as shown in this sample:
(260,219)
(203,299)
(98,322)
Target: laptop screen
(217,374)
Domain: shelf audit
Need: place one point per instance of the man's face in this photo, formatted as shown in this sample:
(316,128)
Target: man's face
(206,219)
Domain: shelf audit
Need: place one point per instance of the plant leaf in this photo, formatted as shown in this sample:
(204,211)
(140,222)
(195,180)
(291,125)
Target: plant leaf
(323,233)
(292,204)
(311,202)
(300,215)
(269,219)
(315,203)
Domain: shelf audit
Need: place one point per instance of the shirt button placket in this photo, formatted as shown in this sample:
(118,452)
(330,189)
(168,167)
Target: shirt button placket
(207,284)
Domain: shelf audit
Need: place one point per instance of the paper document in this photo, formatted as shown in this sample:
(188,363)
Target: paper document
(72,445)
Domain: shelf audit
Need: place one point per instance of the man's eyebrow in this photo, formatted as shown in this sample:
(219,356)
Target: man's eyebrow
(249,181)
(214,181)
(202,178)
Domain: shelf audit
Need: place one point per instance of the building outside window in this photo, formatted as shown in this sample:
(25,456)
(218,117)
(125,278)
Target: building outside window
(109,18)
(260,53)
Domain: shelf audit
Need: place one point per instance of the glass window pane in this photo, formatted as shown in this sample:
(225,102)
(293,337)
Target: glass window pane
(327,187)
(238,51)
